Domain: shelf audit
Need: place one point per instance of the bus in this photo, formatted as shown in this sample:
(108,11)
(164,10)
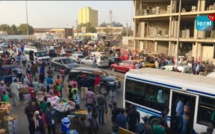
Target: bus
(153,90)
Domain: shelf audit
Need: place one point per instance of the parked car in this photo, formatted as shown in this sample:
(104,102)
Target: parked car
(107,82)
(77,57)
(101,61)
(123,66)
(63,62)
(113,60)
(182,69)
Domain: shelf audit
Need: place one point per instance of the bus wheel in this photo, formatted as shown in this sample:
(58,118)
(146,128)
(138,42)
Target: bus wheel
(154,121)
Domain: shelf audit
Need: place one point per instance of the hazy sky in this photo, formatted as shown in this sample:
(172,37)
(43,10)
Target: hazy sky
(62,13)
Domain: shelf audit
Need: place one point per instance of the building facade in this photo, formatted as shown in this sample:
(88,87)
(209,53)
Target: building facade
(56,32)
(88,15)
(160,26)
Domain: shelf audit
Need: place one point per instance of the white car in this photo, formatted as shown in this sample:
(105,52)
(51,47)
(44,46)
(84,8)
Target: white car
(182,69)
(101,61)
(77,57)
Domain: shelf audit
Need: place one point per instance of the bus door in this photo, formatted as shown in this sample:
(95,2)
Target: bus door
(184,120)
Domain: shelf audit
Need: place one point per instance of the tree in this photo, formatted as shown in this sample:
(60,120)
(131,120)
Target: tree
(89,27)
(4,27)
(22,29)
(13,30)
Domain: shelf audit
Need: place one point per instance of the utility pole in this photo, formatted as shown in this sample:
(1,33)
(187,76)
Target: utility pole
(111,24)
(26,4)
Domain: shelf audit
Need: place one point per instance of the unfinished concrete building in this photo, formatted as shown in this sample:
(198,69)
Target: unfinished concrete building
(157,28)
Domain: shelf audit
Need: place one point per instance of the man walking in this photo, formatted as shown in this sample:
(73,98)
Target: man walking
(50,116)
(84,83)
(14,87)
(133,118)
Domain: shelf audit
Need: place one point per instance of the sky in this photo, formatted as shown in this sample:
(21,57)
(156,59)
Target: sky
(62,14)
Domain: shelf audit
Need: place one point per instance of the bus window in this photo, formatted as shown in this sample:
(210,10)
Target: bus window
(148,95)
(206,111)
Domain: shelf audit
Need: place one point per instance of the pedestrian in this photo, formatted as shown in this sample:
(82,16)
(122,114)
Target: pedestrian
(160,128)
(2,89)
(24,60)
(30,109)
(31,126)
(90,97)
(179,112)
(43,104)
(97,84)
(101,103)
(84,83)
(73,82)
(115,111)
(26,81)
(89,120)
(43,118)
(133,118)
(146,126)
(48,82)
(63,73)
(70,93)
(50,116)
(18,59)
(58,88)
(5,97)
(38,123)
(42,69)
(112,97)
(50,73)
(41,78)
(59,82)
(36,85)
(19,73)
(33,70)
(51,86)
(121,119)
(94,60)
(28,70)
(14,88)
(76,100)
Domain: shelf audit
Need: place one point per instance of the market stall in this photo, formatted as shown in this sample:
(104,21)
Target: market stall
(8,123)
(62,106)
(25,92)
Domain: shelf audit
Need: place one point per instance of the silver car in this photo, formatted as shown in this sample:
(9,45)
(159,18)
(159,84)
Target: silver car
(101,61)
(77,57)
(63,62)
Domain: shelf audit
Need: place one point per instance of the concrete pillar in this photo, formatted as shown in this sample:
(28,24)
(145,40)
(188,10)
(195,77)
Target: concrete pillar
(203,4)
(199,50)
(170,49)
(155,46)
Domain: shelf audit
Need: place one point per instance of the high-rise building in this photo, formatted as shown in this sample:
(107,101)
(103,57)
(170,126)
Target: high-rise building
(88,15)
(160,26)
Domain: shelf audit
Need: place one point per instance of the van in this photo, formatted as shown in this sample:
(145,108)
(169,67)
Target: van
(32,53)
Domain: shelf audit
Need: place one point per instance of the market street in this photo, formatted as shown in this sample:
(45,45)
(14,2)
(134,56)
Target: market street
(23,123)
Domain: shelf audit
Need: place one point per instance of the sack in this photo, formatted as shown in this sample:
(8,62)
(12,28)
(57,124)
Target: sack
(101,101)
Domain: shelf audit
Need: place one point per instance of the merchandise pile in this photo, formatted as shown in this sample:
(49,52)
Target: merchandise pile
(61,105)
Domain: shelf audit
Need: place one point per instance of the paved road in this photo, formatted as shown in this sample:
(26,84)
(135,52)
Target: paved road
(23,123)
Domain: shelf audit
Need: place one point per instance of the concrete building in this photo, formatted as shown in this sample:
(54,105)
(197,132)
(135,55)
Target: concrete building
(56,32)
(88,15)
(106,29)
(158,24)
